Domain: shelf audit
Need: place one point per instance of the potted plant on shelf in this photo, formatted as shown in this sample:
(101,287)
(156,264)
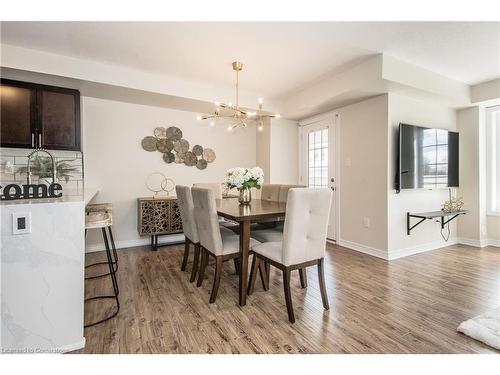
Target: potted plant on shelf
(245,179)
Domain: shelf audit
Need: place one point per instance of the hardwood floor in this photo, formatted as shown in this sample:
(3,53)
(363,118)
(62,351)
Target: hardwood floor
(409,305)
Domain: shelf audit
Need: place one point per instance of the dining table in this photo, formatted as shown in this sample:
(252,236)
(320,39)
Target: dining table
(245,215)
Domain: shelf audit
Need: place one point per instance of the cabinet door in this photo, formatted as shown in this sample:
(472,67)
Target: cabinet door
(58,118)
(17,119)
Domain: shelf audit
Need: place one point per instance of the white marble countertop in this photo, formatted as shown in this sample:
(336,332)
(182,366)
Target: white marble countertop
(69,196)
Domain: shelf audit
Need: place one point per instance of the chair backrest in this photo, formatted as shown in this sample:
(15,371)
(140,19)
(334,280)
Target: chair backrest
(207,221)
(216,187)
(270,192)
(186,208)
(306,223)
(283,195)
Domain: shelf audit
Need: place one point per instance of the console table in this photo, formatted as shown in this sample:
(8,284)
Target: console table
(445,217)
(158,216)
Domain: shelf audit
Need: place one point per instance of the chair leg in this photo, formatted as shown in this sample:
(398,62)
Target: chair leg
(237,265)
(203,265)
(303,277)
(186,255)
(288,294)
(114,279)
(322,286)
(264,278)
(195,262)
(253,274)
(267,267)
(218,271)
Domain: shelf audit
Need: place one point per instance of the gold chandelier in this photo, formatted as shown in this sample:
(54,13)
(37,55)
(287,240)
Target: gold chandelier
(232,111)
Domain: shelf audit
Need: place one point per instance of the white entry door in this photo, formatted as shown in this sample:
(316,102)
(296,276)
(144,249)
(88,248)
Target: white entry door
(318,161)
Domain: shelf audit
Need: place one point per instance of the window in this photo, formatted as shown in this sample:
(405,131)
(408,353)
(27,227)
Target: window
(317,167)
(493,159)
(435,158)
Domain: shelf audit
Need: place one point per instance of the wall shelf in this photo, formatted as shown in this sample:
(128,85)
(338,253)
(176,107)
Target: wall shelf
(446,217)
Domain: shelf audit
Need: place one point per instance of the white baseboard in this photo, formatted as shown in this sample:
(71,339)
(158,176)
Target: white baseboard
(71,347)
(400,253)
(165,240)
(492,242)
(364,249)
(472,242)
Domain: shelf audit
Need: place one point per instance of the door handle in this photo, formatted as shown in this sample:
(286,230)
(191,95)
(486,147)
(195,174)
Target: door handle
(32,139)
(40,140)
(333,189)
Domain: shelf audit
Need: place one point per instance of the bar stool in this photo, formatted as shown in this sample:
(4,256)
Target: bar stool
(100,216)
(107,208)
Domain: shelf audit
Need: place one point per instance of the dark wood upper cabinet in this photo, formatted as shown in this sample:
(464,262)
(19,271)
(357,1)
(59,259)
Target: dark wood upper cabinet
(17,115)
(35,115)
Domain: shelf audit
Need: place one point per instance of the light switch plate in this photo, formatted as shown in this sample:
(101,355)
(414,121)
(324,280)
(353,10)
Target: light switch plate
(21,222)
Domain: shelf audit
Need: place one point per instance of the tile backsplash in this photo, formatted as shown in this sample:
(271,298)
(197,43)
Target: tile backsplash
(12,159)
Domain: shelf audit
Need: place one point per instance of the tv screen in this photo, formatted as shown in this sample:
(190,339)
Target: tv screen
(428,158)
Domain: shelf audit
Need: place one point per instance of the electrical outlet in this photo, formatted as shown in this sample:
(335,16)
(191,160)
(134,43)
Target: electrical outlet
(366,222)
(21,222)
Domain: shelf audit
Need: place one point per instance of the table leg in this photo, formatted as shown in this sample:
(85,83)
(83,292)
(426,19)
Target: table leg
(244,249)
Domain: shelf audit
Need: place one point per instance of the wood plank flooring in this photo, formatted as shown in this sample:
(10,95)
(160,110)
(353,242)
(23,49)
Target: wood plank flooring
(409,305)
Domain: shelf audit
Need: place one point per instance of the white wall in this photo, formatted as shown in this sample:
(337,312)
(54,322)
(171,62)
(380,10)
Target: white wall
(116,164)
(471,227)
(284,151)
(363,175)
(427,235)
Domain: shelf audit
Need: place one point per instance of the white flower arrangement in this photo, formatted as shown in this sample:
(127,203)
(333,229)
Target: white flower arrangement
(244,178)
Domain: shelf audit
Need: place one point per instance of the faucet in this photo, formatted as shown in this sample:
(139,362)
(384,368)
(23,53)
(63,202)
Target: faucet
(51,158)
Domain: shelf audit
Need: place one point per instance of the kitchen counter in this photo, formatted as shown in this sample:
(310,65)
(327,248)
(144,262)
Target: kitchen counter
(40,269)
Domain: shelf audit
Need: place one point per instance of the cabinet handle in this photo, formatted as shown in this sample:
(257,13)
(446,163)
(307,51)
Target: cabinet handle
(40,140)
(32,139)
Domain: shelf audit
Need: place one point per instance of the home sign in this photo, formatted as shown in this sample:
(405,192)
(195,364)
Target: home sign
(31,191)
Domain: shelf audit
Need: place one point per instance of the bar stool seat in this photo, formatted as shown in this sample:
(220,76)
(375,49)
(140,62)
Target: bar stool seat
(100,216)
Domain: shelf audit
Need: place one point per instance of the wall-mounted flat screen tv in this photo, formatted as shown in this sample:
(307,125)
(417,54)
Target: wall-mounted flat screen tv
(428,158)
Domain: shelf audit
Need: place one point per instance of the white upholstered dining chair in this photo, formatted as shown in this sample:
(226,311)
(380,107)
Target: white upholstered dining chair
(217,241)
(216,187)
(186,208)
(303,244)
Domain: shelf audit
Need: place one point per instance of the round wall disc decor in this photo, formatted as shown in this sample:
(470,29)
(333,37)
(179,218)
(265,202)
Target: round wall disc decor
(179,158)
(209,155)
(197,150)
(181,146)
(160,132)
(175,149)
(173,133)
(164,145)
(201,164)
(190,159)
(168,157)
(149,143)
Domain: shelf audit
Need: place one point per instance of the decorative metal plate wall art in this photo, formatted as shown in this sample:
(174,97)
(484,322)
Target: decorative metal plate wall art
(175,149)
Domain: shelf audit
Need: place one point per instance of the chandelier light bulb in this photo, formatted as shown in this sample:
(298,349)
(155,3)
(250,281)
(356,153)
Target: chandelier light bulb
(277,115)
(217,104)
(229,128)
(212,123)
(230,104)
(260,101)
(198,118)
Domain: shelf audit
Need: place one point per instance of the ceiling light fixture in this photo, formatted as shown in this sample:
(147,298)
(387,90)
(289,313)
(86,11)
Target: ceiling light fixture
(239,116)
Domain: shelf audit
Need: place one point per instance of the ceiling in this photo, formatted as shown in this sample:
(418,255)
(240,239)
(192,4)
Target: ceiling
(280,57)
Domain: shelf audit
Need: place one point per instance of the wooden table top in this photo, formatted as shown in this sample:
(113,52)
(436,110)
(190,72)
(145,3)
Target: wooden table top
(257,210)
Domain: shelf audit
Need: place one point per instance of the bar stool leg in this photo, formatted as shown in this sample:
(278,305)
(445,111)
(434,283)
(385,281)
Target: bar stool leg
(114,282)
(114,260)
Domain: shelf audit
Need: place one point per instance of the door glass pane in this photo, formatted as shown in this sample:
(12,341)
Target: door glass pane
(318,158)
